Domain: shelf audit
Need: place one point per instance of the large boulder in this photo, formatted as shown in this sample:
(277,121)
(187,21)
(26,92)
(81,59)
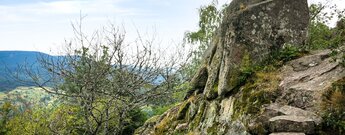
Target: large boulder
(253,29)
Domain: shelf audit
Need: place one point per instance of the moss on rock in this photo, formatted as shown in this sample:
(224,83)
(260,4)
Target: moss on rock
(260,90)
(199,116)
(213,130)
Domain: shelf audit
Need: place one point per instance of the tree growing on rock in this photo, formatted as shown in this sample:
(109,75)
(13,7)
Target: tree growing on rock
(210,17)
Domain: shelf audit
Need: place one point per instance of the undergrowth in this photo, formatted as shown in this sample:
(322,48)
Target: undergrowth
(333,108)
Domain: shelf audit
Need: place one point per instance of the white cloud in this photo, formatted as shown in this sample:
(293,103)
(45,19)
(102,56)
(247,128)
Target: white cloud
(44,10)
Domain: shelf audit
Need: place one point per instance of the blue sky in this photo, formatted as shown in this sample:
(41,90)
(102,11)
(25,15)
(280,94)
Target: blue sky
(42,25)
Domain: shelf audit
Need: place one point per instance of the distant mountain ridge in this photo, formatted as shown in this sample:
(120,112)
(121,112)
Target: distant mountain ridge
(10,60)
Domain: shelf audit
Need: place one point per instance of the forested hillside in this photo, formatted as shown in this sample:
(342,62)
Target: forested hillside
(11,61)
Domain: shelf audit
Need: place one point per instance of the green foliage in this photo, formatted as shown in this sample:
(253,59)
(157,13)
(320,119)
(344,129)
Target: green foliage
(289,52)
(210,17)
(44,121)
(333,108)
(246,68)
(33,121)
(136,119)
(209,20)
(321,35)
(7,111)
(279,57)
(338,52)
(64,118)
(26,97)
(158,110)
(181,91)
(159,106)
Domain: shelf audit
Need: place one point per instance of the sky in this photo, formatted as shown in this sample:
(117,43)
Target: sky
(43,25)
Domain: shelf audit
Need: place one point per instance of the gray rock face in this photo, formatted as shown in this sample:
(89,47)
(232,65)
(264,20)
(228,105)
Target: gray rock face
(255,28)
(306,78)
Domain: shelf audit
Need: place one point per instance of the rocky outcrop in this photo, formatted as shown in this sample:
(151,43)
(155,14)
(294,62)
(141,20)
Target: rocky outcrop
(224,101)
(280,116)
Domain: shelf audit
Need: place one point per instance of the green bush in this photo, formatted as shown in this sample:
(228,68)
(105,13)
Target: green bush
(289,52)
(320,36)
(136,119)
(7,112)
(333,108)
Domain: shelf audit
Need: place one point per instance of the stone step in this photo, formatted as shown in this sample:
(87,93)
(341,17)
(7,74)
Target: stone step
(287,133)
(292,123)
(277,110)
(289,110)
